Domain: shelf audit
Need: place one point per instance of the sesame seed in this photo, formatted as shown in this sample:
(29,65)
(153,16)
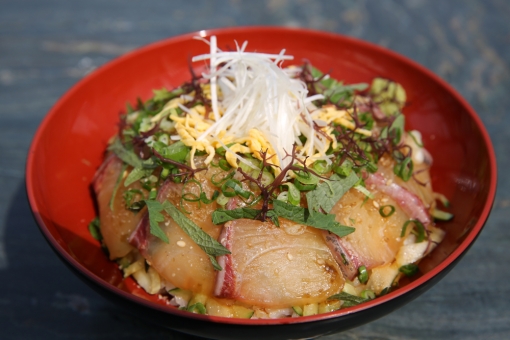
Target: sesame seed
(181,244)
(375,204)
(289,256)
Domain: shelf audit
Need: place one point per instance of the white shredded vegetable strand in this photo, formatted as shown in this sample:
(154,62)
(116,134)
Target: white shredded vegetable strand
(251,91)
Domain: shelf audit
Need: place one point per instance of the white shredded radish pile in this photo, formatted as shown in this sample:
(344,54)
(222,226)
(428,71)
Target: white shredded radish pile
(257,93)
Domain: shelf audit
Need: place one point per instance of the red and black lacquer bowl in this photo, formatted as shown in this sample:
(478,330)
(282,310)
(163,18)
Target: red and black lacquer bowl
(69,146)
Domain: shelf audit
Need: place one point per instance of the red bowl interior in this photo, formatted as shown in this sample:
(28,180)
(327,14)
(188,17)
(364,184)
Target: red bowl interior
(68,147)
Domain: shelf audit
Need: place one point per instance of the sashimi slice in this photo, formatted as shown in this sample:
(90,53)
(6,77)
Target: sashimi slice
(276,267)
(180,262)
(117,222)
(415,196)
(406,200)
(376,239)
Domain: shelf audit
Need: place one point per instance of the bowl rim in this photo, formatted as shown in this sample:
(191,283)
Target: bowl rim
(451,258)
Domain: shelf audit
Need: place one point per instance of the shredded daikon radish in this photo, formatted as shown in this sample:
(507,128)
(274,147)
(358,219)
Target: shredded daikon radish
(257,93)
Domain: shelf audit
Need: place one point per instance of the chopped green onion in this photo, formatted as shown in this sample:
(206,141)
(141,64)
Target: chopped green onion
(344,169)
(164,173)
(190,197)
(95,230)
(233,187)
(372,167)
(364,191)
(441,215)
(362,274)
(221,150)
(385,291)
(321,167)
(384,213)
(283,196)
(197,308)
(404,169)
(306,177)
(409,269)
(294,195)
(222,199)
(222,180)
(153,194)
(174,172)
(420,233)
(205,200)
(442,198)
(164,139)
(367,294)
(304,187)
(413,137)
(298,310)
(253,202)
(223,164)
(129,195)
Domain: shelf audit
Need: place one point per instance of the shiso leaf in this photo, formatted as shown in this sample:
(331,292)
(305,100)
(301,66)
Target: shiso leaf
(154,209)
(317,220)
(208,244)
(327,193)
(348,299)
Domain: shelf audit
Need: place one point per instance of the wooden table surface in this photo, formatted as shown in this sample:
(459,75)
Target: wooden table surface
(46,46)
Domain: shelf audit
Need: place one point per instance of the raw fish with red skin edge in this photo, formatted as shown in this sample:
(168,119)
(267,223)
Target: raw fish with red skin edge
(180,262)
(116,221)
(376,239)
(276,267)
(406,200)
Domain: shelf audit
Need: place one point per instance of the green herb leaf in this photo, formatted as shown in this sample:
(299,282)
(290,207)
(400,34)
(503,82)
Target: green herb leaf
(124,154)
(154,209)
(137,174)
(337,92)
(220,216)
(177,151)
(165,95)
(208,244)
(129,157)
(317,220)
(352,300)
(327,193)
